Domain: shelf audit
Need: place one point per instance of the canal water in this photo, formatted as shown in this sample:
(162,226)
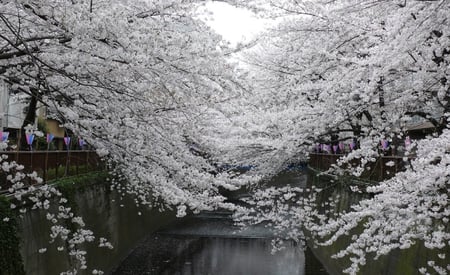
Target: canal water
(210,244)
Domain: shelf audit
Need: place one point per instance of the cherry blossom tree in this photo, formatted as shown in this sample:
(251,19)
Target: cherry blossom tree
(358,69)
(149,86)
(134,79)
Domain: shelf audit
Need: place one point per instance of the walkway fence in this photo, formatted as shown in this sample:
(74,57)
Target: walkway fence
(52,165)
(385,167)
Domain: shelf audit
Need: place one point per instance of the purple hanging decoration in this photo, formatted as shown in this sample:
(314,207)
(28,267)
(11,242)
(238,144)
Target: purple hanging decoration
(352,145)
(50,138)
(341,146)
(30,139)
(67,141)
(4,136)
(317,148)
(407,142)
(335,147)
(328,148)
(384,144)
(81,142)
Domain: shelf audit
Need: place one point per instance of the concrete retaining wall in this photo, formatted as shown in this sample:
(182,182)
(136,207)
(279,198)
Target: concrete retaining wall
(106,215)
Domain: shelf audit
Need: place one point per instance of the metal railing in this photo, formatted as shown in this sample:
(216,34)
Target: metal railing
(52,165)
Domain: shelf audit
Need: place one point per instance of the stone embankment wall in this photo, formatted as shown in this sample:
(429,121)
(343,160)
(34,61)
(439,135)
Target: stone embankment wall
(103,212)
(398,262)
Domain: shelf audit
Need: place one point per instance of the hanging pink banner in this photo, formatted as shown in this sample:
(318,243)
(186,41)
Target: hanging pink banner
(50,138)
(4,136)
(407,142)
(335,147)
(81,142)
(341,146)
(352,145)
(67,141)
(30,138)
(384,144)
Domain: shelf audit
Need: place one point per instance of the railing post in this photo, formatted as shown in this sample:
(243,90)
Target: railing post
(87,161)
(57,164)
(396,166)
(76,163)
(46,166)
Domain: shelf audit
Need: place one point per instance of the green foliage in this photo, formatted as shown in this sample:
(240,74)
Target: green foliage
(41,143)
(10,258)
(42,125)
(59,173)
(70,184)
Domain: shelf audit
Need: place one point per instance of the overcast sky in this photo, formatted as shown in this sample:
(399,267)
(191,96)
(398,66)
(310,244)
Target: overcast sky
(235,25)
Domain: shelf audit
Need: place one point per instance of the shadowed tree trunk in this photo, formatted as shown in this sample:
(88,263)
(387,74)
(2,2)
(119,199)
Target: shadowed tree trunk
(30,117)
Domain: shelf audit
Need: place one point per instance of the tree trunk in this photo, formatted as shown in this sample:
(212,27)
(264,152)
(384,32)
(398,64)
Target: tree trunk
(30,117)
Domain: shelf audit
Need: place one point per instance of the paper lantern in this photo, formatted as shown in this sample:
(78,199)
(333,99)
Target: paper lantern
(50,138)
(4,136)
(352,145)
(407,142)
(67,141)
(30,138)
(81,142)
(335,147)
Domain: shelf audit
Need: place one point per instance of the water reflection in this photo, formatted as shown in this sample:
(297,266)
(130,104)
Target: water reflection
(226,256)
(166,254)
(210,244)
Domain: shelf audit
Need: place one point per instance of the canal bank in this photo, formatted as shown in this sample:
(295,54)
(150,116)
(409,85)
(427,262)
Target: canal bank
(104,212)
(203,243)
(397,262)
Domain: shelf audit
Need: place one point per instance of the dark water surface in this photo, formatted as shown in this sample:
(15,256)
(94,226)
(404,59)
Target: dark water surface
(212,246)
